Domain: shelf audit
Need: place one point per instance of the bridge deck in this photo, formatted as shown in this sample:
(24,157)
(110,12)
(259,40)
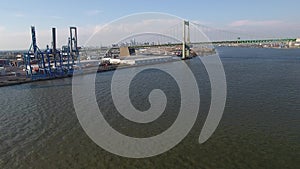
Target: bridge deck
(218,42)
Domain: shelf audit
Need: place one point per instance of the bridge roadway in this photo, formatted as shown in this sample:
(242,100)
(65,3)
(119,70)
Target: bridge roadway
(217,42)
(238,41)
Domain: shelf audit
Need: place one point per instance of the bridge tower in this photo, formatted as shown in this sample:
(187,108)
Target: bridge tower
(186,40)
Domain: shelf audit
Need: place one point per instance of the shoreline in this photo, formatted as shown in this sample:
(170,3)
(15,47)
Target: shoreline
(86,71)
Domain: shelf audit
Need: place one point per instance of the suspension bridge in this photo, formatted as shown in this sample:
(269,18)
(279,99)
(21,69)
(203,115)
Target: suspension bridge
(188,36)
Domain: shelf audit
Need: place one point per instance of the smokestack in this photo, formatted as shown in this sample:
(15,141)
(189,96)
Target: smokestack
(54,41)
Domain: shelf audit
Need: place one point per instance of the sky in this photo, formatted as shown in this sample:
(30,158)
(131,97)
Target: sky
(255,16)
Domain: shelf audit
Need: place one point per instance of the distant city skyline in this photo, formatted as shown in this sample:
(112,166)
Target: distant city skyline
(261,17)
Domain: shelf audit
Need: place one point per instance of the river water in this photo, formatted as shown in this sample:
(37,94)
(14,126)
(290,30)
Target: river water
(259,129)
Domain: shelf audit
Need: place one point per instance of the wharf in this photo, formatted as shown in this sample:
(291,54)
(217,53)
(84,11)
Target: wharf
(9,80)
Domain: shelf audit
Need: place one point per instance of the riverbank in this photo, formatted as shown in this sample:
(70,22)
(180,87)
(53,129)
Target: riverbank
(22,79)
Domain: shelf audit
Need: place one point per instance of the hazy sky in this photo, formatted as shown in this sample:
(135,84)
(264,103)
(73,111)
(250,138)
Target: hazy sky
(261,17)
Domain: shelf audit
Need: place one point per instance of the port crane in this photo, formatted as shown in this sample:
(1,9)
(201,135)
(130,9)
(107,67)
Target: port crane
(52,62)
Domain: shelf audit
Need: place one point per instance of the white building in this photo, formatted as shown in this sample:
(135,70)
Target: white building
(297,42)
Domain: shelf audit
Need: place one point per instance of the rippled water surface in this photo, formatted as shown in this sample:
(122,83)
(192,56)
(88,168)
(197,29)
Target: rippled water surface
(259,129)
